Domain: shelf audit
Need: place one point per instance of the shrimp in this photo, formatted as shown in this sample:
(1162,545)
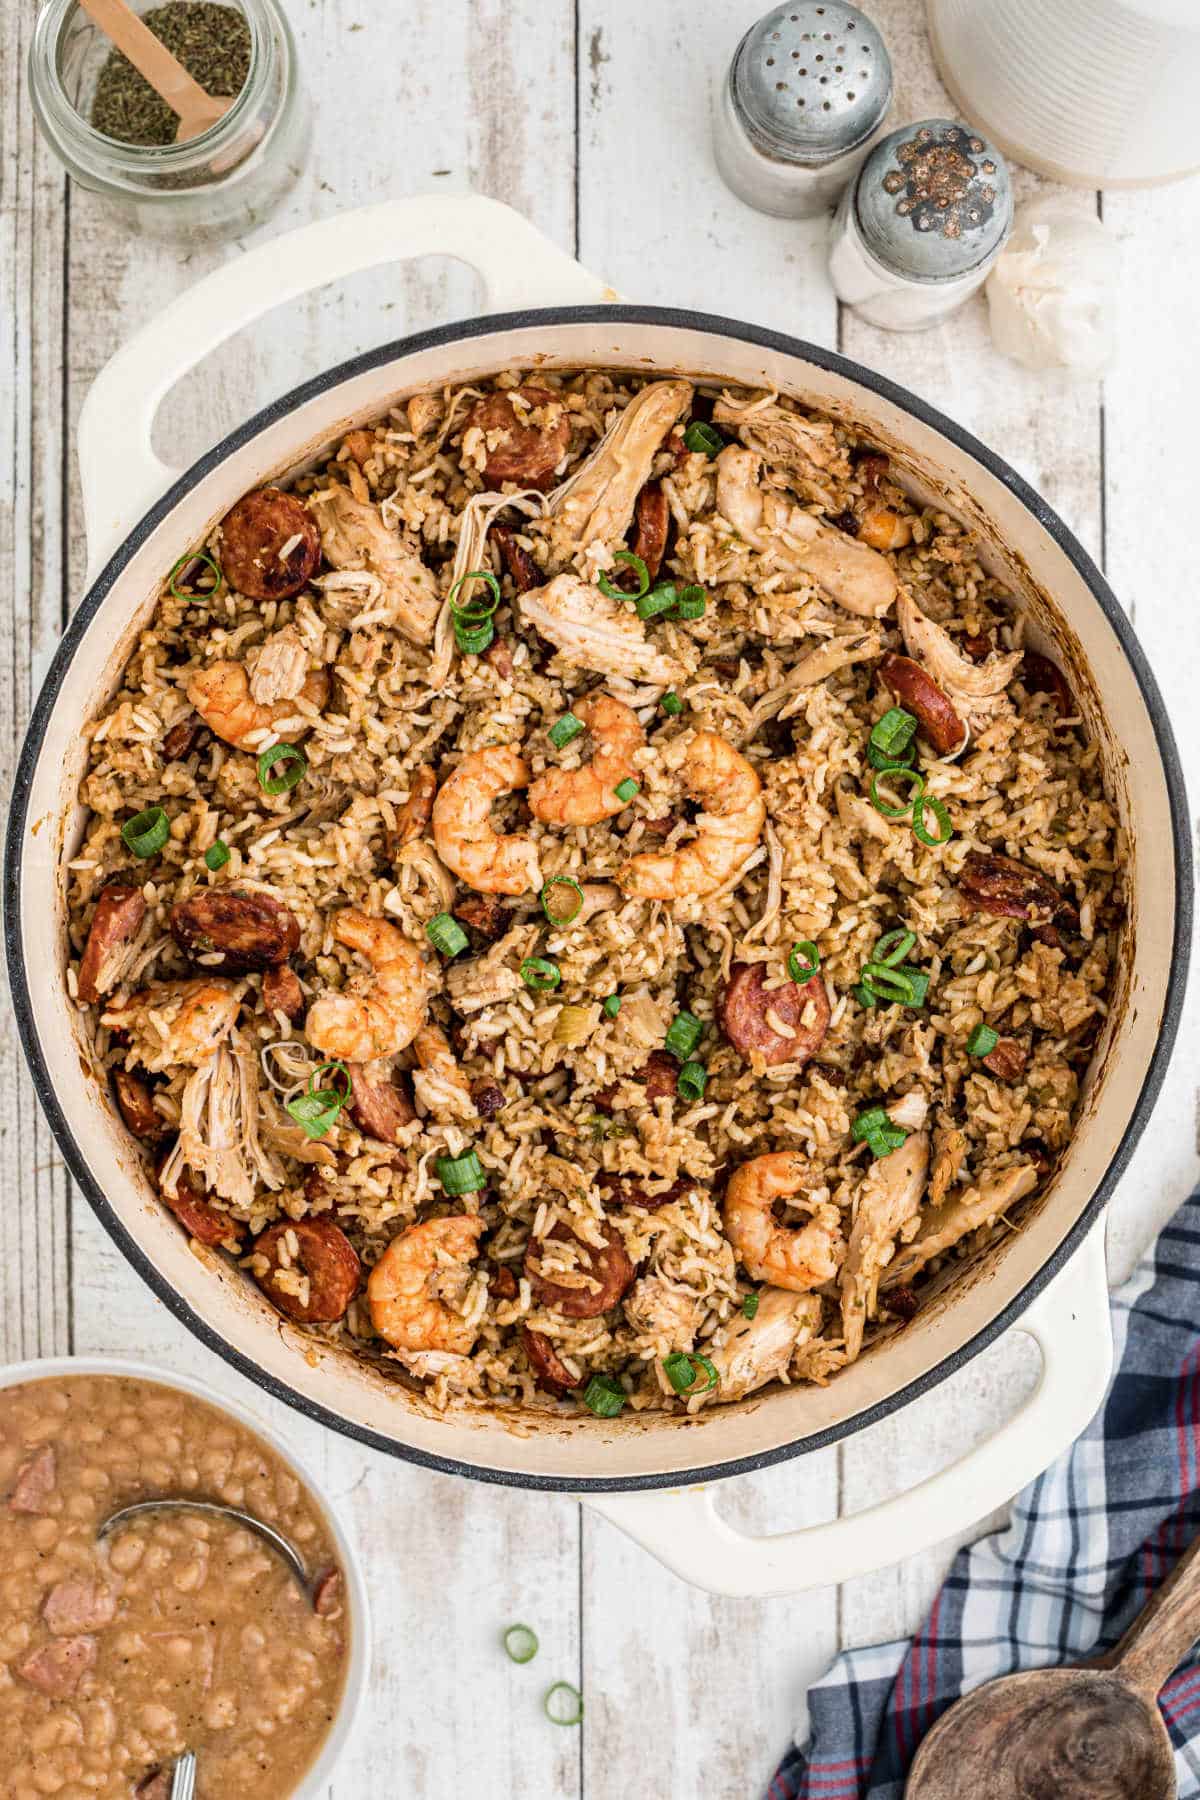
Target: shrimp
(221,695)
(586,796)
(375,1015)
(726,831)
(462,828)
(421,1269)
(176,1023)
(796,1257)
(438,1082)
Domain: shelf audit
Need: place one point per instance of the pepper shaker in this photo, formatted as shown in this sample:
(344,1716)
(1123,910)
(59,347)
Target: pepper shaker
(916,234)
(807,94)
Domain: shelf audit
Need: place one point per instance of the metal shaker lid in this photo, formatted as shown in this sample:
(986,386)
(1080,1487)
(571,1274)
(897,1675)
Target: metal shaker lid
(934,200)
(811,80)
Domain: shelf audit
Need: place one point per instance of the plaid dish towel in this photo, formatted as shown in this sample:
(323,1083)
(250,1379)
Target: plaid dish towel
(1088,1542)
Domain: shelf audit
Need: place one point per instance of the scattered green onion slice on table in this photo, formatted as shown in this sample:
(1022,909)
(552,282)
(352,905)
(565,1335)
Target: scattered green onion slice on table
(625,790)
(185,561)
(749,1306)
(893,947)
(474,612)
(612,1006)
(916,782)
(446,934)
(147,832)
(662,599)
(566,904)
(540,974)
(982,1041)
(520,1643)
(294,764)
(564,729)
(892,734)
(640,570)
(881,1134)
(804,959)
(569,1709)
(671,703)
(217,855)
(930,803)
(693,1078)
(684,1034)
(692,602)
(461,1174)
(704,438)
(604,1396)
(316,1110)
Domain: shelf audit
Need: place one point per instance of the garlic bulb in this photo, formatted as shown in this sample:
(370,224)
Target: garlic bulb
(1052,293)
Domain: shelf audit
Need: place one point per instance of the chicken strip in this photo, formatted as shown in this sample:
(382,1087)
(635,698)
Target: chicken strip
(354,536)
(964,1212)
(759,1350)
(596,504)
(889,1197)
(974,689)
(591,631)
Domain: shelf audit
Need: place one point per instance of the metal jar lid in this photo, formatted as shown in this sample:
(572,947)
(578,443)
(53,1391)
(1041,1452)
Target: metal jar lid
(934,200)
(811,80)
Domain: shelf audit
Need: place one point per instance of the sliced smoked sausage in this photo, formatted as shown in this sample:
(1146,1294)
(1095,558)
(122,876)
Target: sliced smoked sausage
(248,931)
(660,1072)
(651,522)
(281,992)
(1009,889)
(136,1106)
(119,912)
(609,1274)
(803,1009)
(183,737)
(379,1104)
(520,565)
(1007,1060)
(270,545)
(1041,676)
(920,694)
(325,1254)
(198,1216)
(627,1190)
(517,449)
(545,1363)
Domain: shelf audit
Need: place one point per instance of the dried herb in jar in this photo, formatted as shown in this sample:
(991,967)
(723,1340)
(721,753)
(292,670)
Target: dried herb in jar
(213,44)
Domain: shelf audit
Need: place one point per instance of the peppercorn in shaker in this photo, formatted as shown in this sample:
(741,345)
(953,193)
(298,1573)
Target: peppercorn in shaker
(807,93)
(916,234)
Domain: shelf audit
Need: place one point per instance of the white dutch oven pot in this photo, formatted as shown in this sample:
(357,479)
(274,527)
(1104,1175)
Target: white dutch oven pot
(142,515)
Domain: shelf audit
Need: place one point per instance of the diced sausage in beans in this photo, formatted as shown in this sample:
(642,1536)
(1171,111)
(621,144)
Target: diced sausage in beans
(247,931)
(609,1272)
(744,1007)
(57,1668)
(80,1603)
(118,915)
(325,1255)
(522,451)
(35,1482)
(919,693)
(270,545)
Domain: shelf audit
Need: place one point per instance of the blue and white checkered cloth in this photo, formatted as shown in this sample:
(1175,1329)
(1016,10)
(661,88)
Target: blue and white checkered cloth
(1088,1542)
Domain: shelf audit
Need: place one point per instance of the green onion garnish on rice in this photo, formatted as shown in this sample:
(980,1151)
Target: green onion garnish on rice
(288,761)
(461,1174)
(749,1306)
(804,959)
(639,568)
(446,934)
(684,1034)
(564,729)
(185,562)
(880,1134)
(147,832)
(703,438)
(625,790)
(562,899)
(540,974)
(982,1041)
(604,1396)
(693,1078)
(217,855)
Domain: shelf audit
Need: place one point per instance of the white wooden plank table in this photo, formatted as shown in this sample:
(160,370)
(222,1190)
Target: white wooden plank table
(592,116)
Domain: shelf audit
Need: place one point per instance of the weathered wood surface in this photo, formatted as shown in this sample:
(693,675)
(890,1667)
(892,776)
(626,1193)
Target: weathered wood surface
(593,117)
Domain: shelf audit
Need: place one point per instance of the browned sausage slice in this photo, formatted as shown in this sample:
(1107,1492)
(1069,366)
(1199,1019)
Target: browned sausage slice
(1041,676)
(522,451)
(198,1216)
(744,1008)
(517,561)
(499,656)
(1009,889)
(182,738)
(281,992)
(328,1258)
(119,912)
(545,1363)
(920,693)
(80,1603)
(270,545)
(502,1283)
(484,913)
(1007,1060)
(35,1482)
(626,1190)
(137,1107)
(248,931)
(56,1669)
(379,1105)
(651,520)
(609,1271)
(660,1072)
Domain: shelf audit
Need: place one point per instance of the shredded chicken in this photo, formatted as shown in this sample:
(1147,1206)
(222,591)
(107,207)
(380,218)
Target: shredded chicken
(440,1087)
(666,1310)
(591,631)
(354,537)
(758,1350)
(219,1129)
(484,980)
(975,689)
(805,447)
(949,1154)
(944,1226)
(281,669)
(888,1199)
(840,652)
(595,504)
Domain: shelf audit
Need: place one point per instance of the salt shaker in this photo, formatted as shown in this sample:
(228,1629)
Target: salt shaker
(916,234)
(807,94)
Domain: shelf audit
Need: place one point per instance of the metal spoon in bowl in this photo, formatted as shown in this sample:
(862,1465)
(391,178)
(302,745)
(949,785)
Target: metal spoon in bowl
(183,1777)
(282,1546)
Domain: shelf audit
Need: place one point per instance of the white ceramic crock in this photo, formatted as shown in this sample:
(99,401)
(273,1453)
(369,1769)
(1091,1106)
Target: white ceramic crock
(141,516)
(358,1611)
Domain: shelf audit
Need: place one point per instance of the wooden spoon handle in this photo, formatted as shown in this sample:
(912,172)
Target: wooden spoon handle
(1165,1629)
(151,58)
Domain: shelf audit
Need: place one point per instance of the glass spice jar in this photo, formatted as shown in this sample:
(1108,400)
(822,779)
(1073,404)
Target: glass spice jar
(219,184)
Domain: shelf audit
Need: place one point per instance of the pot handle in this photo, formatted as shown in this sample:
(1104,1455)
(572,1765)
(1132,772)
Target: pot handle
(1070,1323)
(119,472)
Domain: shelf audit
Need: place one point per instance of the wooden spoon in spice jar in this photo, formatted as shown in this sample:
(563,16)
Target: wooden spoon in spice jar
(1091,1733)
(196,110)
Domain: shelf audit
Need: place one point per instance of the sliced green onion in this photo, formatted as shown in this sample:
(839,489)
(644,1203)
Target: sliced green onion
(671,703)
(890,984)
(147,832)
(446,934)
(685,1033)
(604,1396)
(893,947)
(564,729)
(895,731)
(679,1370)
(640,570)
(882,759)
(866,996)
(625,790)
(710,1369)
(881,1134)
(662,599)
(612,1006)
(520,1643)
(693,1078)
(982,1041)
(193,556)
(461,1174)
(917,782)
(749,1306)
(561,908)
(804,959)
(217,855)
(294,765)
(540,974)
(920,830)
(474,612)
(704,438)
(568,1710)
(316,1110)
(692,602)
(473,640)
